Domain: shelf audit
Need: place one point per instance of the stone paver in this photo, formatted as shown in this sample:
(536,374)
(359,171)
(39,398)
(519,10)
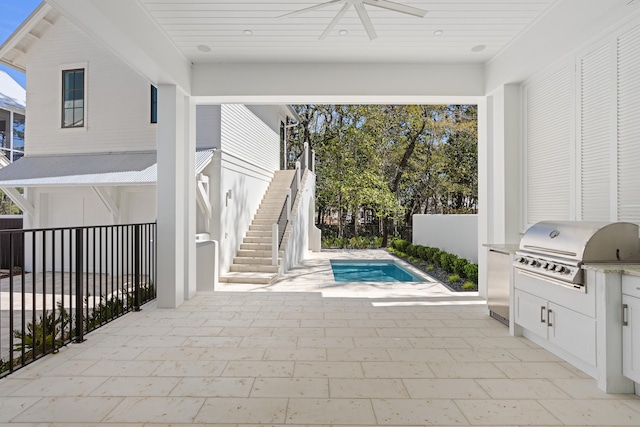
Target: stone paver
(308,351)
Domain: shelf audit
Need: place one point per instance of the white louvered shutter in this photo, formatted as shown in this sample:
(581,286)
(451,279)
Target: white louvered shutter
(629,126)
(596,108)
(549,123)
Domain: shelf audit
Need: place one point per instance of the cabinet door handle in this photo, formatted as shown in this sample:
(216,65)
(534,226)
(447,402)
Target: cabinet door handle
(542,309)
(625,320)
(549,317)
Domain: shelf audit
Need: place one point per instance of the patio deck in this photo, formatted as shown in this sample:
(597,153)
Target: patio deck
(308,351)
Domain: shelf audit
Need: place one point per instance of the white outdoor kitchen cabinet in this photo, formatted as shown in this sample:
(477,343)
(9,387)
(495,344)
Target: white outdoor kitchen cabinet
(563,318)
(586,329)
(631,327)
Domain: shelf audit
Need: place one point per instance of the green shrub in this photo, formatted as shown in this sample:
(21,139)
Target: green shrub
(453,278)
(431,254)
(421,252)
(403,245)
(436,258)
(410,250)
(469,286)
(471,272)
(446,261)
(430,268)
(459,265)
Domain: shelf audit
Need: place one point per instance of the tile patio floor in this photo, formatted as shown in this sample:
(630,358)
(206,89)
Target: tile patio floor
(306,351)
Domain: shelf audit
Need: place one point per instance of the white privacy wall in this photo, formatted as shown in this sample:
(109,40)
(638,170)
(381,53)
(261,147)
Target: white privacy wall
(581,127)
(456,234)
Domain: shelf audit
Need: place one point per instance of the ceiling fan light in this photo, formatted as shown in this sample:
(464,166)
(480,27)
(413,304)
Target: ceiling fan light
(438,33)
(343,32)
(247,32)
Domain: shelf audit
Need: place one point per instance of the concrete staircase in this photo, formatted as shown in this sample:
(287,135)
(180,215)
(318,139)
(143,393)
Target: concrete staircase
(253,263)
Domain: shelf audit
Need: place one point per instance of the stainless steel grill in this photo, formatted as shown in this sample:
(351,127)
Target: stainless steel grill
(556,250)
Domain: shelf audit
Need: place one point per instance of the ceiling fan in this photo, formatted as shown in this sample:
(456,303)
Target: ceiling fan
(362,13)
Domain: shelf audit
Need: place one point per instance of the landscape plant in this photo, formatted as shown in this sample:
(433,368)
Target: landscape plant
(429,258)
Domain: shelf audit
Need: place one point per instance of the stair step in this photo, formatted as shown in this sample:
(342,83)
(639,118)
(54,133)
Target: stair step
(259,233)
(255,253)
(257,268)
(258,239)
(260,227)
(257,278)
(256,246)
(252,260)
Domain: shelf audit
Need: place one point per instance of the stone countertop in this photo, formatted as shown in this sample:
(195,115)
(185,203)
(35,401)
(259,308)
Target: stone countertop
(509,248)
(630,269)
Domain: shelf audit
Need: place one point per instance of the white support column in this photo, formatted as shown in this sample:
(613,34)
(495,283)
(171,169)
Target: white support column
(9,133)
(484,135)
(274,244)
(190,283)
(171,209)
(289,203)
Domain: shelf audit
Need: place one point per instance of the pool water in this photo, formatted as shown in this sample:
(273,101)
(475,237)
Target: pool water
(371,271)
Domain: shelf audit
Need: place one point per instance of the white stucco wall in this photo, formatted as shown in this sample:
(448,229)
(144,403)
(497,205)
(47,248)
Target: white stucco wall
(456,234)
(117,98)
(231,217)
(298,241)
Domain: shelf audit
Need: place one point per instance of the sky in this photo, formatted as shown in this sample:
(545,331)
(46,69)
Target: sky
(12,13)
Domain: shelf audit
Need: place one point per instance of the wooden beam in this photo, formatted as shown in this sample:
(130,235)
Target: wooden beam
(19,200)
(202,194)
(108,201)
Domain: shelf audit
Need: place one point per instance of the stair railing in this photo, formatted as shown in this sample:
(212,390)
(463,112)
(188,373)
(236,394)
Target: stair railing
(280,226)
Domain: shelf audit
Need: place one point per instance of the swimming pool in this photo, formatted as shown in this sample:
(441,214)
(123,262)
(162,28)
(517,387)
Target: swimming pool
(371,271)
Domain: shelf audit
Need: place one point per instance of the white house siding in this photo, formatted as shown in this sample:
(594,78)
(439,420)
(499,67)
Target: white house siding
(244,135)
(117,98)
(581,127)
(208,126)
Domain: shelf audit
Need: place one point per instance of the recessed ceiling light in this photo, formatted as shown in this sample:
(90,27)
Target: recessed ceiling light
(203,48)
(478,48)
(343,32)
(438,32)
(247,32)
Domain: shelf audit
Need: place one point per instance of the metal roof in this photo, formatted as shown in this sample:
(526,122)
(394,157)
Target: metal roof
(12,95)
(88,169)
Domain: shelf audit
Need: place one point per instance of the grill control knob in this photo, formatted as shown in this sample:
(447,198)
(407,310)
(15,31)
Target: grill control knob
(561,269)
(551,267)
(535,263)
(545,265)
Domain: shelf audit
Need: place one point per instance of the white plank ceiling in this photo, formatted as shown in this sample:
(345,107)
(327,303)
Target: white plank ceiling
(218,30)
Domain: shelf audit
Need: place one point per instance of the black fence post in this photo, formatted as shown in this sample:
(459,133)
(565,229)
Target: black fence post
(136,267)
(79,291)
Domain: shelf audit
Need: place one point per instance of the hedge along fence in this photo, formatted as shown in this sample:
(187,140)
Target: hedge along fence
(449,262)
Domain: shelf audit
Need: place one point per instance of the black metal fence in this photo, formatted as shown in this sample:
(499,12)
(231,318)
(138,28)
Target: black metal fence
(74,280)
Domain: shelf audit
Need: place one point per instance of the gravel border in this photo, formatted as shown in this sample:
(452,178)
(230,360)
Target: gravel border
(438,274)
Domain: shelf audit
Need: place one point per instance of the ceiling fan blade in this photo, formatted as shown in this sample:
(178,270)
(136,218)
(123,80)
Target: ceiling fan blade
(334,21)
(309,9)
(366,21)
(396,7)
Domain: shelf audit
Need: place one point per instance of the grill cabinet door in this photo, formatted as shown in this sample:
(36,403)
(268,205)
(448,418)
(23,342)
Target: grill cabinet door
(631,339)
(573,332)
(531,312)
